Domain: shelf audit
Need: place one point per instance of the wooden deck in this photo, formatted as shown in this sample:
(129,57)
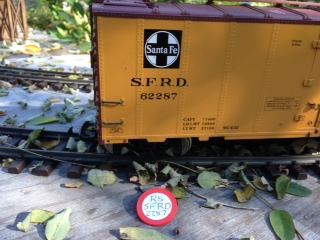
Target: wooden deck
(99,213)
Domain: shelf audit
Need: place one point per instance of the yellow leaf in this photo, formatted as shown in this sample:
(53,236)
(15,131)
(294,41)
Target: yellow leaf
(32,49)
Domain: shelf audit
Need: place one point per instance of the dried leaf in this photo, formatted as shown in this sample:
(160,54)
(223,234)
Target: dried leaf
(25,224)
(30,49)
(49,145)
(262,184)
(3,113)
(99,178)
(136,233)
(74,185)
(244,196)
(41,216)
(35,166)
(142,173)
(209,180)
(4,84)
(298,190)
(7,162)
(59,226)
(282,184)
(282,224)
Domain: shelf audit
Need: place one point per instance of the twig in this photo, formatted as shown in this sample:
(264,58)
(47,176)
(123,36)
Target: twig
(219,203)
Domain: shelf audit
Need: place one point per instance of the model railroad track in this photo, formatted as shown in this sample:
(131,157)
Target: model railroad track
(265,165)
(43,78)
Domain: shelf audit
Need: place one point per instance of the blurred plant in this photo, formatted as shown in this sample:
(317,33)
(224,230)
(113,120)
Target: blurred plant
(67,20)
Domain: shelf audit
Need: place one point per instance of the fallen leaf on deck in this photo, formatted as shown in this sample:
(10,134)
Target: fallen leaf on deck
(3,113)
(142,173)
(233,170)
(262,184)
(59,226)
(3,92)
(23,104)
(35,166)
(43,120)
(99,178)
(209,180)
(25,224)
(282,184)
(7,162)
(32,49)
(298,190)
(179,192)
(71,144)
(5,84)
(81,146)
(136,233)
(41,216)
(244,196)
(210,203)
(74,185)
(282,224)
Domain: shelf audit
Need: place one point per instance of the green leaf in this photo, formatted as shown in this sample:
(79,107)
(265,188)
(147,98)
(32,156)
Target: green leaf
(244,196)
(59,226)
(210,203)
(167,169)
(41,216)
(262,184)
(81,146)
(64,118)
(142,173)
(209,180)
(69,103)
(42,120)
(282,224)
(31,138)
(179,192)
(99,178)
(298,190)
(282,184)
(25,224)
(233,170)
(71,144)
(152,169)
(136,233)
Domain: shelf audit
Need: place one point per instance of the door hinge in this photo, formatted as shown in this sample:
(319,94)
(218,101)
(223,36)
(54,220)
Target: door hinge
(316,44)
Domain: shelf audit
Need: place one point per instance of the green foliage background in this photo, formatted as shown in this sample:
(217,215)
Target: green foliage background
(68,20)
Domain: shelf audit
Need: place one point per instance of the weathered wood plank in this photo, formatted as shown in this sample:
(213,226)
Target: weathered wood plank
(99,213)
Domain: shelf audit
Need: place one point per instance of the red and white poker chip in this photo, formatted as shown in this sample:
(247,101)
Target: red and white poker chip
(157,207)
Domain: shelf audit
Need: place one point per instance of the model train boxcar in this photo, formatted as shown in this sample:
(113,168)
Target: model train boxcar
(179,71)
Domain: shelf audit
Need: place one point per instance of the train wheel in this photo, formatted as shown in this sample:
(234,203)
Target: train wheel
(117,149)
(178,147)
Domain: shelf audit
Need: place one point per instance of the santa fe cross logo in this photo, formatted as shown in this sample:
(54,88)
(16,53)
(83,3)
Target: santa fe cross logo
(162,48)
